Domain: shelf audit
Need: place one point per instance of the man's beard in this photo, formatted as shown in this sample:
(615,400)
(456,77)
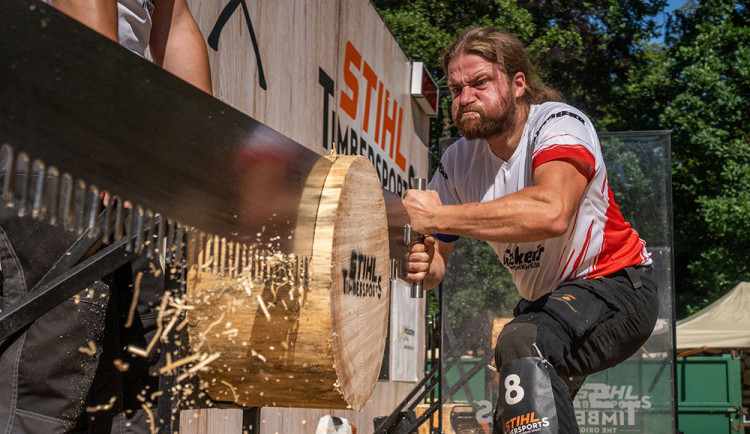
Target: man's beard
(485,126)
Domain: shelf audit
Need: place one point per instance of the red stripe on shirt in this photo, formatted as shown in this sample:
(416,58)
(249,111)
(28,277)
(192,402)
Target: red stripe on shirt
(581,255)
(559,152)
(621,246)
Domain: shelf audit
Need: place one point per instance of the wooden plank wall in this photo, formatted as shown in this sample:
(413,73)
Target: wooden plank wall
(300,42)
(317,57)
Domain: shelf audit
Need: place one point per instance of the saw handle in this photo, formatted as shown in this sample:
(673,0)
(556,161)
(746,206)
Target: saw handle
(411,236)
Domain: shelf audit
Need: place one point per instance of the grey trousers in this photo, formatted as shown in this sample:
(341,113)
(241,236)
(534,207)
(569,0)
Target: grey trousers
(58,375)
(48,369)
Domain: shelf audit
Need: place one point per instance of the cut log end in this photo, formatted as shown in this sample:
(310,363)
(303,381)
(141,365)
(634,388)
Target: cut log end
(318,346)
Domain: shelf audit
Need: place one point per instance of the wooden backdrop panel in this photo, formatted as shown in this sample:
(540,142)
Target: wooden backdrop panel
(302,49)
(301,44)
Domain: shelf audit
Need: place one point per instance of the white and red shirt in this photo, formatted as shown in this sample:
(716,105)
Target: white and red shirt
(598,240)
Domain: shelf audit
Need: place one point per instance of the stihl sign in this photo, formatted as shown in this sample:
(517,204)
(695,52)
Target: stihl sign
(329,77)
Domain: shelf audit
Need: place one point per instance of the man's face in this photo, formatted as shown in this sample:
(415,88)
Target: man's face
(484,103)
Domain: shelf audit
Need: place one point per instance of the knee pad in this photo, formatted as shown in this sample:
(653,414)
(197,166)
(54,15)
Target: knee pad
(526,403)
(516,341)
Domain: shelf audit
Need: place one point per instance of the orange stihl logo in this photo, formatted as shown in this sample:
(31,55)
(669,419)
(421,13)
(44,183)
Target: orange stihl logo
(521,420)
(526,423)
(370,120)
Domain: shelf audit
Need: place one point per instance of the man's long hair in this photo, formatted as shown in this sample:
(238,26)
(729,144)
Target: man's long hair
(508,53)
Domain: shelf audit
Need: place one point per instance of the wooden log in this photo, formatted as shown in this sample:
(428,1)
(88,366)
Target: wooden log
(287,341)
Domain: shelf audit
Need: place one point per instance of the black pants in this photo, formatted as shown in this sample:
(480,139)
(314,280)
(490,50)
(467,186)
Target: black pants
(583,327)
(119,395)
(63,363)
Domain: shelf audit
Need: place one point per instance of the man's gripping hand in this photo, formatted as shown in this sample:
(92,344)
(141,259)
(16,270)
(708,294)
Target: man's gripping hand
(420,258)
(423,207)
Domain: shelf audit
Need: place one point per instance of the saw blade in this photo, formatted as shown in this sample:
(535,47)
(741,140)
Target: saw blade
(77,122)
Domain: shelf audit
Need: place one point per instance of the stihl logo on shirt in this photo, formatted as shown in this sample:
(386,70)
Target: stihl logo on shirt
(525,423)
(518,260)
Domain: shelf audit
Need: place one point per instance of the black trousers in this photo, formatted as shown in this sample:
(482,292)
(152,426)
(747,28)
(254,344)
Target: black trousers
(583,327)
(63,363)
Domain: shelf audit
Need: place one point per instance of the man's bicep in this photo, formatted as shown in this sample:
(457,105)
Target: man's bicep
(565,179)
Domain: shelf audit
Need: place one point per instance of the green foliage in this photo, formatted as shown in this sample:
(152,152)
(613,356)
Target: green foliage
(587,47)
(696,85)
(476,286)
(708,110)
(601,54)
(637,170)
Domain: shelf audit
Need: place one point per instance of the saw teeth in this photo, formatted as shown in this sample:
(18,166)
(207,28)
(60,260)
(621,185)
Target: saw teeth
(38,171)
(31,188)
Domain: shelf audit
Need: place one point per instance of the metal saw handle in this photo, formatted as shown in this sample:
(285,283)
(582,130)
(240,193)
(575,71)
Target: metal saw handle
(411,236)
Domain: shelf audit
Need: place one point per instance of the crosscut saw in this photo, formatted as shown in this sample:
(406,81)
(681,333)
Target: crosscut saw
(179,165)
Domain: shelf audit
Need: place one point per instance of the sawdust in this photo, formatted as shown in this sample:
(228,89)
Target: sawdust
(276,281)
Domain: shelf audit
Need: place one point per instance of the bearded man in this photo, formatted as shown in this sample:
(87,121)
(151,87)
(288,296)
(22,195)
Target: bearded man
(528,177)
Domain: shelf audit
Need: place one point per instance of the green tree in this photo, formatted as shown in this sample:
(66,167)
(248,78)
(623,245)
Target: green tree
(696,85)
(708,78)
(586,47)
(601,55)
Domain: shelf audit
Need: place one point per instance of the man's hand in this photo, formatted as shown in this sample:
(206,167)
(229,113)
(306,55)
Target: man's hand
(420,258)
(422,207)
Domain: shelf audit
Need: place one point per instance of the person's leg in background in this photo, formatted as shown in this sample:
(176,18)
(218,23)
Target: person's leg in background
(48,368)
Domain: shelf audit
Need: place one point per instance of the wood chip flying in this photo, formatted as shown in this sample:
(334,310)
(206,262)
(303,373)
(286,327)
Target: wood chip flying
(91,350)
(234,393)
(263,307)
(177,363)
(134,301)
(150,418)
(120,365)
(102,407)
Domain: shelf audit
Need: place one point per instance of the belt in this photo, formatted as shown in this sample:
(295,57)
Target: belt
(632,273)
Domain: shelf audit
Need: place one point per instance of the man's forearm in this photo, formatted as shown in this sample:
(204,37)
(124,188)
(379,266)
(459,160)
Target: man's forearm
(177,44)
(541,211)
(435,275)
(521,217)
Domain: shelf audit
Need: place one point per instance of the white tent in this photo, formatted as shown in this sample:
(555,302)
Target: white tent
(724,323)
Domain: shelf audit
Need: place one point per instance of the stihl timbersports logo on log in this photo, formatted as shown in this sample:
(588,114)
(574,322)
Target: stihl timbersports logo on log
(361,280)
